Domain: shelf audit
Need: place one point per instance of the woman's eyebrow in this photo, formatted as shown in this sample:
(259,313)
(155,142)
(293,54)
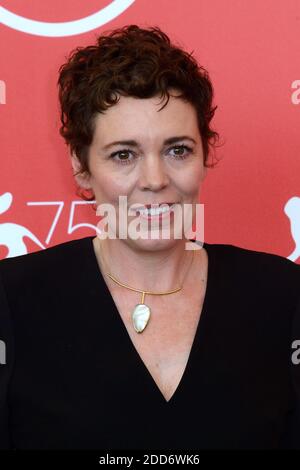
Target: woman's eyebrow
(133,143)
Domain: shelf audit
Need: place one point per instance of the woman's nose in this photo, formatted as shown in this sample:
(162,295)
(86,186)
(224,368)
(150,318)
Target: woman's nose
(153,174)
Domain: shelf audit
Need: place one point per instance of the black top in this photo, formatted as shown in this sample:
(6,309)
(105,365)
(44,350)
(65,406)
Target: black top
(73,379)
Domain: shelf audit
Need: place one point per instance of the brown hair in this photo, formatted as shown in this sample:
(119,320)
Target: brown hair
(129,61)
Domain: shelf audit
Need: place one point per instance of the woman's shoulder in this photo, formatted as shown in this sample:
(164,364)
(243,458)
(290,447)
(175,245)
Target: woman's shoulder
(55,261)
(46,255)
(253,258)
(256,273)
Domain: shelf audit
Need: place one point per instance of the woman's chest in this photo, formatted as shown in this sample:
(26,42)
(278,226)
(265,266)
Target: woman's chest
(165,345)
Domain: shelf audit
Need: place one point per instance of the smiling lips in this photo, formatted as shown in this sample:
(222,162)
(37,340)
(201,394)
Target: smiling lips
(154,205)
(155,213)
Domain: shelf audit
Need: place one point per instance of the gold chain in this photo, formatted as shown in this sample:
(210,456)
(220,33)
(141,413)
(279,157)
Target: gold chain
(149,292)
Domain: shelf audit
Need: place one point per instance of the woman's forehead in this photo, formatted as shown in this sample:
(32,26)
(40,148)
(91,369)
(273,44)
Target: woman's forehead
(136,112)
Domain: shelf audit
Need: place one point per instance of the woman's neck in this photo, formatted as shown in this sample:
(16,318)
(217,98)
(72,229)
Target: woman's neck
(152,270)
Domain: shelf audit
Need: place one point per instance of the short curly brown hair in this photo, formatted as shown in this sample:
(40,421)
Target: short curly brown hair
(129,61)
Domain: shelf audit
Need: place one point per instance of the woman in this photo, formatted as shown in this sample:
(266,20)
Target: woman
(205,359)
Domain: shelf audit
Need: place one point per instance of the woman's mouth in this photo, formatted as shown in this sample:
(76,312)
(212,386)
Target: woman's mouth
(156,213)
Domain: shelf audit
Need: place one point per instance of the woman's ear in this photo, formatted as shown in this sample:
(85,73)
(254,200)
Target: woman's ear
(82,178)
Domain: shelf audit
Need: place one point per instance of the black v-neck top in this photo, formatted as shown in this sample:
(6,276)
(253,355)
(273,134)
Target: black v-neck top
(72,378)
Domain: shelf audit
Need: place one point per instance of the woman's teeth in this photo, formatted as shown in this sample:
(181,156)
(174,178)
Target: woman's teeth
(156,211)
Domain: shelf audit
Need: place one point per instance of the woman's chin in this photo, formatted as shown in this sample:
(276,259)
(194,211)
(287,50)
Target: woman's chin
(152,244)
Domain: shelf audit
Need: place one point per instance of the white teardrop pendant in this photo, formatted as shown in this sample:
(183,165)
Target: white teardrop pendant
(140,317)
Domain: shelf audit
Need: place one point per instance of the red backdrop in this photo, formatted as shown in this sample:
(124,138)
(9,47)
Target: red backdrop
(251,50)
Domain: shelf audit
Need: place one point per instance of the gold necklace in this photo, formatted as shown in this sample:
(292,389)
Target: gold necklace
(141,313)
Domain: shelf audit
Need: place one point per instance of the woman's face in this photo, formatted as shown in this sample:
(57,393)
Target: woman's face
(149,169)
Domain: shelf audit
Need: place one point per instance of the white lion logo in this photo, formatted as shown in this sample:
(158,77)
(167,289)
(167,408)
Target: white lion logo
(292,211)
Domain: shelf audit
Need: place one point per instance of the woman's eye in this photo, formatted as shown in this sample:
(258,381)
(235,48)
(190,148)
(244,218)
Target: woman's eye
(120,154)
(181,149)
